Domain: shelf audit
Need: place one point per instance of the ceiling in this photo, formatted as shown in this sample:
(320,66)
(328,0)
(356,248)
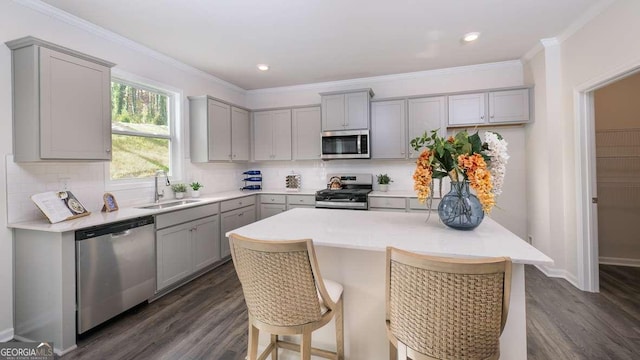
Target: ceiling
(309,41)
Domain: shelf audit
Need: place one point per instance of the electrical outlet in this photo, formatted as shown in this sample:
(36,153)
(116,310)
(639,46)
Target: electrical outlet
(530,239)
(64,183)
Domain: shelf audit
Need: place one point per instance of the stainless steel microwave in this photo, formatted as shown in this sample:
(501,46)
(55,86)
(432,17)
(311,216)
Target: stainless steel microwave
(345,144)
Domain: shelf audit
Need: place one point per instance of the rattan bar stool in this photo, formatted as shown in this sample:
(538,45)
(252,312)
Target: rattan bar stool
(286,295)
(445,308)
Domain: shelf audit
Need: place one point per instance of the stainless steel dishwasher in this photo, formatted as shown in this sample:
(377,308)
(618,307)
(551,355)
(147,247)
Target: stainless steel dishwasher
(115,269)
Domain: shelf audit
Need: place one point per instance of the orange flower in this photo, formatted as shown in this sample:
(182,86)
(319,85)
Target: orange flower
(475,168)
(422,176)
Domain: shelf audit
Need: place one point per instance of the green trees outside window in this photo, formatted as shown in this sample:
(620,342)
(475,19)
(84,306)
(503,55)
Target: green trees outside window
(141,132)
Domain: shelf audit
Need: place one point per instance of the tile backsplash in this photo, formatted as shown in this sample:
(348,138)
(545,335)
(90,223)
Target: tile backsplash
(87,180)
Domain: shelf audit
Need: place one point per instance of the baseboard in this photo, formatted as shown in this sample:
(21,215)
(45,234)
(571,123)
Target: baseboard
(55,349)
(619,261)
(6,335)
(559,273)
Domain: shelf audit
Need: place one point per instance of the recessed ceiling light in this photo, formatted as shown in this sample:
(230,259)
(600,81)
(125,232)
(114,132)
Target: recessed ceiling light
(263,67)
(472,36)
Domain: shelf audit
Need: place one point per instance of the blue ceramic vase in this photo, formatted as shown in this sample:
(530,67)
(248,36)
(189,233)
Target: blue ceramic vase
(459,209)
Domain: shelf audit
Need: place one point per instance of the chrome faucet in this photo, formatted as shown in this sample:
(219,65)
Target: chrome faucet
(158,195)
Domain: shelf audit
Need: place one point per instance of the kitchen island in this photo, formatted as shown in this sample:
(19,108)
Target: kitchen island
(350,246)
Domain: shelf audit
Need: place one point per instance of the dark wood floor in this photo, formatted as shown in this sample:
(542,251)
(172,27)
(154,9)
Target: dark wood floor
(206,319)
(566,323)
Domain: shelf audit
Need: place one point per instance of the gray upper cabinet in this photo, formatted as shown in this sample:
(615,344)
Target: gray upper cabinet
(61,103)
(495,107)
(272,135)
(306,133)
(468,109)
(346,110)
(239,134)
(509,106)
(218,131)
(388,130)
(426,114)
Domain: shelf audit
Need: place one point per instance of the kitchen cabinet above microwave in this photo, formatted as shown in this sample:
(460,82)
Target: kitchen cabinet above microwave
(346,110)
(488,108)
(61,103)
(219,131)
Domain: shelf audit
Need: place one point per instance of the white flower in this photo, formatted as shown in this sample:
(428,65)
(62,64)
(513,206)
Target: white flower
(497,151)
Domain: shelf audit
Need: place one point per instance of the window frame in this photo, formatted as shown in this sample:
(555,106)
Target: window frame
(174,100)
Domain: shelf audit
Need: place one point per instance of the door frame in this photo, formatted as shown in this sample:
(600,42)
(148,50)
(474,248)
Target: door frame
(586,189)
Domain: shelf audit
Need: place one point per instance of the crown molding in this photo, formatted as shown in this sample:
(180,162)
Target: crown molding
(576,25)
(386,78)
(583,19)
(94,29)
(549,42)
(532,52)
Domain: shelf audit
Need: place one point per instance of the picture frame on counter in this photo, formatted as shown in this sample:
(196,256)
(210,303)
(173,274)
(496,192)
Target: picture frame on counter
(110,203)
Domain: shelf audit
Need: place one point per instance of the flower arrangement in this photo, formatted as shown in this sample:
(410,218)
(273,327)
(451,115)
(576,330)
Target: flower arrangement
(462,157)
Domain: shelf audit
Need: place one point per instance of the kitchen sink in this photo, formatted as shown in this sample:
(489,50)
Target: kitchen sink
(169,204)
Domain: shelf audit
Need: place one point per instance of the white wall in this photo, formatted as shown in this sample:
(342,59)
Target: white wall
(87,179)
(602,48)
(464,78)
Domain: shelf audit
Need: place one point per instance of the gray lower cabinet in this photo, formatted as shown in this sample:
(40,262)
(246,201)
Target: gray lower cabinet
(272,204)
(401,204)
(232,220)
(304,201)
(387,203)
(186,248)
(61,103)
(267,210)
(184,245)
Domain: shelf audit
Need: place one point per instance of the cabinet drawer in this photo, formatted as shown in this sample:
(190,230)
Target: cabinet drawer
(237,203)
(273,199)
(414,204)
(182,216)
(301,200)
(387,202)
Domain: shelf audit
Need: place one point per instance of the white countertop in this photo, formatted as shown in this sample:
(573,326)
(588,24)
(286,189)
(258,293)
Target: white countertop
(375,230)
(101,218)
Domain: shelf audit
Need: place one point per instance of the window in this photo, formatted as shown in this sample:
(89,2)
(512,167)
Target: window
(142,131)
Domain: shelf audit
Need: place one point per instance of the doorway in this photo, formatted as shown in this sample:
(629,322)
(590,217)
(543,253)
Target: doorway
(617,135)
(617,138)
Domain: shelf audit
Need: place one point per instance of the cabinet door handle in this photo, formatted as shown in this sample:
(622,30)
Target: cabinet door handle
(492,116)
(240,214)
(108,150)
(482,117)
(301,200)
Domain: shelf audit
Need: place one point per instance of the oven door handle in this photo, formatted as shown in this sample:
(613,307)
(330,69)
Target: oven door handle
(342,204)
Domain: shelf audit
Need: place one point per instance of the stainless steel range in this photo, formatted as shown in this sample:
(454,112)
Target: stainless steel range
(345,191)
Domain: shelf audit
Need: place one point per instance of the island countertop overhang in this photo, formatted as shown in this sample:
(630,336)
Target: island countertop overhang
(375,230)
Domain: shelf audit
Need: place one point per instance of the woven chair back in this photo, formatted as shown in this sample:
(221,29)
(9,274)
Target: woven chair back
(447,308)
(277,280)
